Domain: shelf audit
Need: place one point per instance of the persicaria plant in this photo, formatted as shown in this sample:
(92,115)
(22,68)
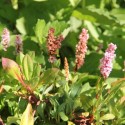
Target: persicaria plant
(50,93)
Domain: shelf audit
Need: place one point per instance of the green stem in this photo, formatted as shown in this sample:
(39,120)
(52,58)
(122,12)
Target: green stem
(98,104)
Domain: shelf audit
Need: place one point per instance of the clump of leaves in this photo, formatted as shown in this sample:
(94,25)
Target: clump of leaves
(32,91)
(55,95)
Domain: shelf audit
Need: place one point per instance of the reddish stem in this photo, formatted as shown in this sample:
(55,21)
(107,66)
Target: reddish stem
(1,122)
(24,84)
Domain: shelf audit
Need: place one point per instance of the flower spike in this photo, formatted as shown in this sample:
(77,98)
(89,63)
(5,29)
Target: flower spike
(66,67)
(18,44)
(106,62)
(5,39)
(81,48)
(53,44)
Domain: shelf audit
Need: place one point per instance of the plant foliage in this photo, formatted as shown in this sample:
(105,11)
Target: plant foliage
(34,91)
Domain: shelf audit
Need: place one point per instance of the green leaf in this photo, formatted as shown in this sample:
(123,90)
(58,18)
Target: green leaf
(39,30)
(11,67)
(92,29)
(48,89)
(7,87)
(75,24)
(95,15)
(39,0)
(86,87)
(66,32)
(36,75)
(15,4)
(41,109)
(49,76)
(87,101)
(63,116)
(70,123)
(107,117)
(19,58)
(12,120)
(59,26)
(119,14)
(89,66)
(20,25)
(114,89)
(27,67)
(32,54)
(36,70)
(8,13)
(80,16)
(27,117)
(121,121)
(76,87)
(40,59)
(74,2)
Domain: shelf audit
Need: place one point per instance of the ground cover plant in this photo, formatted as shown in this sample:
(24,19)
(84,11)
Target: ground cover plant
(62,62)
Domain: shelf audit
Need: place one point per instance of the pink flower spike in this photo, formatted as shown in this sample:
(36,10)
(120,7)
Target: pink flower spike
(106,62)
(5,39)
(18,44)
(53,44)
(81,48)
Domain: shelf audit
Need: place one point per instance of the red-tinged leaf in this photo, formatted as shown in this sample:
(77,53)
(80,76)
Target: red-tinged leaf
(1,122)
(11,67)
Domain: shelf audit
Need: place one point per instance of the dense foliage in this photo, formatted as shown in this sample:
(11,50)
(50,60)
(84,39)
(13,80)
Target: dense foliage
(40,85)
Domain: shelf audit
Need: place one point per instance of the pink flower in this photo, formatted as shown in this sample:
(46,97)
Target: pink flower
(18,44)
(53,44)
(106,62)
(81,48)
(5,39)
(52,59)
